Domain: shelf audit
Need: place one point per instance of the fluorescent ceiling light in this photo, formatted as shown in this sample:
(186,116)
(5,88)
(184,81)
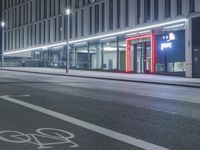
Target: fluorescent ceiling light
(58,47)
(82,43)
(107,39)
(147,31)
(174,26)
(131,34)
(109,48)
(82,51)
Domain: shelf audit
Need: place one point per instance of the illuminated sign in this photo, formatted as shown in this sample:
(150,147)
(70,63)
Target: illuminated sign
(172,37)
(169,37)
(168,41)
(166,45)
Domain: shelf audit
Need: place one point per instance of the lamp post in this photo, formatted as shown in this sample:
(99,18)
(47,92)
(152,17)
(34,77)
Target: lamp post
(68,11)
(2,51)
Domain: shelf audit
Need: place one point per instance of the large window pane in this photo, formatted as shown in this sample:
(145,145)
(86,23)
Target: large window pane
(82,57)
(95,56)
(110,55)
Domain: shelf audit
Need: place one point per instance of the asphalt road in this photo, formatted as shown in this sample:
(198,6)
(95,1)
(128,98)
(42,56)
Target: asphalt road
(67,113)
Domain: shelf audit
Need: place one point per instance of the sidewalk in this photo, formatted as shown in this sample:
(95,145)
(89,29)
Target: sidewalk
(143,78)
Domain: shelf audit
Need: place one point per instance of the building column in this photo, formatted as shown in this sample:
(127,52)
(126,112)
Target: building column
(173,8)
(132,12)
(197,5)
(161,11)
(188,48)
(141,11)
(185,7)
(152,11)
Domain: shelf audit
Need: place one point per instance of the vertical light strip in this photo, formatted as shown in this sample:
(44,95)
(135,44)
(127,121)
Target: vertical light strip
(126,56)
(129,46)
(152,57)
(153,52)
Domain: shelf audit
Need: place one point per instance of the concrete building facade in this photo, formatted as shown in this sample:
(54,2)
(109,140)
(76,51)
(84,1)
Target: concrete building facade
(0,31)
(137,36)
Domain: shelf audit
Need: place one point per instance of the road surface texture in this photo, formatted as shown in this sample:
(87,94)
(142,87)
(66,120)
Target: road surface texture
(69,113)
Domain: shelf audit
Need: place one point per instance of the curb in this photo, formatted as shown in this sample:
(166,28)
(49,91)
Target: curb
(103,78)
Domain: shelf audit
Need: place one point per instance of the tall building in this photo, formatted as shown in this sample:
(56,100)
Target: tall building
(137,36)
(0,31)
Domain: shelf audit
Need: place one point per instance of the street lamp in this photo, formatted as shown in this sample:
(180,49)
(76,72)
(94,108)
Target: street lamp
(68,11)
(2,51)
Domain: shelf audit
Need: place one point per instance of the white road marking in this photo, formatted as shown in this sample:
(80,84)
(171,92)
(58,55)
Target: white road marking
(109,133)
(57,137)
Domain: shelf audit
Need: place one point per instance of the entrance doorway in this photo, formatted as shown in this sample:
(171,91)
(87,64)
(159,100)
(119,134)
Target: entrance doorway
(140,54)
(141,57)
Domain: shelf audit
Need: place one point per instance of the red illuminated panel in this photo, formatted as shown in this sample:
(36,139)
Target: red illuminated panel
(153,53)
(127,55)
(128,45)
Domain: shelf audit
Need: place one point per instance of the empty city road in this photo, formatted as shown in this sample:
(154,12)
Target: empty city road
(69,113)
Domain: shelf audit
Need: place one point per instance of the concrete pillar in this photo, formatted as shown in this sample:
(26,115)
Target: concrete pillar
(185,7)
(197,5)
(161,10)
(173,8)
(100,18)
(132,12)
(115,14)
(141,11)
(188,48)
(122,13)
(152,11)
(106,15)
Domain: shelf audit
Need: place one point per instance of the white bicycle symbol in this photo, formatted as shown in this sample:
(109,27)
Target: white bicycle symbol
(53,136)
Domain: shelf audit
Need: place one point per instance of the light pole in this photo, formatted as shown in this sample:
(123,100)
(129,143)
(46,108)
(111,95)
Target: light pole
(2,51)
(68,11)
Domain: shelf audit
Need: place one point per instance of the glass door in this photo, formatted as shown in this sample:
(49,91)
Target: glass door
(142,57)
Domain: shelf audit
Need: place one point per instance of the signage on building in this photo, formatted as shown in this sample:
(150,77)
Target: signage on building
(168,41)
(166,45)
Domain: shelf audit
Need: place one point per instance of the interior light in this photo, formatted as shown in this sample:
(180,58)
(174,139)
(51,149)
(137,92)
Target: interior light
(68,11)
(3,24)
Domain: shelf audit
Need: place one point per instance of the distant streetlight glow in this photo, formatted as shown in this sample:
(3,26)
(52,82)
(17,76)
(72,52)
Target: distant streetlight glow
(2,24)
(68,11)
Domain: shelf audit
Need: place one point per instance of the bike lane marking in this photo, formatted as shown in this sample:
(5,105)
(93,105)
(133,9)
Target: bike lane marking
(59,137)
(106,132)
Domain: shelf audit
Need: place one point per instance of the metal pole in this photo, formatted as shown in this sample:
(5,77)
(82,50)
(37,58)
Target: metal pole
(67,52)
(2,51)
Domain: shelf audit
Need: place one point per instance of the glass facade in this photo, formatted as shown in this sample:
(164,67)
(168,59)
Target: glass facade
(81,56)
(140,49)
(109,50)
(170,52)
(95,55)
(110,54)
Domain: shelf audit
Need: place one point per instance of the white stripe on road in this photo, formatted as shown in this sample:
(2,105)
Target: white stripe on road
(109,133)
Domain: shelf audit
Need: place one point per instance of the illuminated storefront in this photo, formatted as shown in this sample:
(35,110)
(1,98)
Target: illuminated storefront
(170,53)
(150,49)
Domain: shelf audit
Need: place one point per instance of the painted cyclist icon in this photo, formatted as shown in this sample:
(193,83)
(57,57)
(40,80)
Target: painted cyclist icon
(43,138)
